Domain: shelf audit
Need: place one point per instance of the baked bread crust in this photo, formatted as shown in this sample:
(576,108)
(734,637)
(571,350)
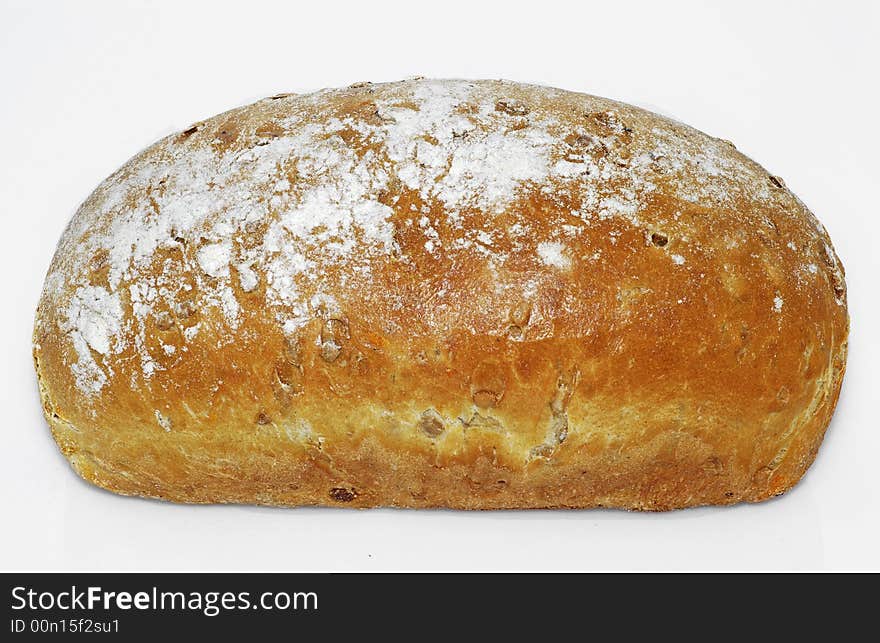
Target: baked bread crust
(442,294)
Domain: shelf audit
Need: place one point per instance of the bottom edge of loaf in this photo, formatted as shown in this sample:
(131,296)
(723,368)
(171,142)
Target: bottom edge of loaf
(89,470)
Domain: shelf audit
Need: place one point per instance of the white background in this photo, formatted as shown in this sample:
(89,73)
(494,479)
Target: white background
(85,85)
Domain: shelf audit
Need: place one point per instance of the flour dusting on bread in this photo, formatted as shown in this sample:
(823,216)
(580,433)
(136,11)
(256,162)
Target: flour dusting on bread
(271,195)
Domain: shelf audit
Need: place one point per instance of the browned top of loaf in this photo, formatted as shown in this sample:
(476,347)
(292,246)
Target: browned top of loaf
(437,257)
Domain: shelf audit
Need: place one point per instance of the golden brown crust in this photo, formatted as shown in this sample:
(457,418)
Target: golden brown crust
(442,294)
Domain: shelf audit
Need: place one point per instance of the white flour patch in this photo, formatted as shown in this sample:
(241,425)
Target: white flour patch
(247,277)
(777,304)
(163,421)
(94,323)
(214,258)
(553,254)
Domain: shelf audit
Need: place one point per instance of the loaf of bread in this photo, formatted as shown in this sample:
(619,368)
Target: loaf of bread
(442,294)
